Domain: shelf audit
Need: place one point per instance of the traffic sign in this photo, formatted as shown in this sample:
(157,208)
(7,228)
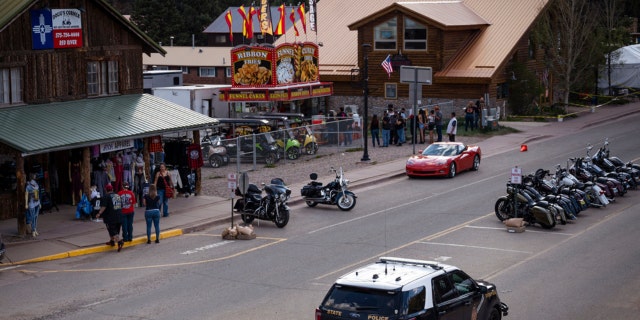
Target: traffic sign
(516,175)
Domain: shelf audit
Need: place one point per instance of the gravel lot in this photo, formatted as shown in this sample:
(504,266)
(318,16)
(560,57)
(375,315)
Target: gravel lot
(214,182)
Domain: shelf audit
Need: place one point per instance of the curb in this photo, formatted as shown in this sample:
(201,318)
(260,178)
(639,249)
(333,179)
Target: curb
(96,249)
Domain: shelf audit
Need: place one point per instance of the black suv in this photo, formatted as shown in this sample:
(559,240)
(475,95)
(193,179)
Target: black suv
(397,288)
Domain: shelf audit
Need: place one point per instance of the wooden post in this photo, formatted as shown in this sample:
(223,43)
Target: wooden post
(85,172)
(21,184)
(196,140)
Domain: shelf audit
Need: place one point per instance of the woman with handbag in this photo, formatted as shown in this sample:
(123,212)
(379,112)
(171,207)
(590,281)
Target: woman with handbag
(164,185)
(152,212)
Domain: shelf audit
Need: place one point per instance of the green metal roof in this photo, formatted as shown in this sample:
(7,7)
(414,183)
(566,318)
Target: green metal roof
(11,9)
(41,128)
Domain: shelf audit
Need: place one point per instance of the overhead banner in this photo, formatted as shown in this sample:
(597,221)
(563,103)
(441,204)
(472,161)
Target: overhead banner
(56,29)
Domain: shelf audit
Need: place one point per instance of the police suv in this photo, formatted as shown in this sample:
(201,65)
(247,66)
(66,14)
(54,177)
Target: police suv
(403,289)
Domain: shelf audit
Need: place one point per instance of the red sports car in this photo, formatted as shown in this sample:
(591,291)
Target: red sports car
(444,159)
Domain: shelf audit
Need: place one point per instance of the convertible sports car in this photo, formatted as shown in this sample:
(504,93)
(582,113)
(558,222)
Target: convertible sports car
(444,159)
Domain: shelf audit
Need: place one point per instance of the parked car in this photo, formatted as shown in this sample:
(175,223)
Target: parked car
(444,159)
(402,289)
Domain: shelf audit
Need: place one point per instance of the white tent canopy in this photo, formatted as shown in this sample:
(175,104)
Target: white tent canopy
(625,69)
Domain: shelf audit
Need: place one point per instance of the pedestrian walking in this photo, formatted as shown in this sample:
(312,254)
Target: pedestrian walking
(111,214)
(32,204)
(163,182)
(452,128)
(375,130)
(152,205)
(438,121)
(128,210)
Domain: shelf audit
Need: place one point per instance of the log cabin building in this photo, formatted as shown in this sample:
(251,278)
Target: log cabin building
(71,91)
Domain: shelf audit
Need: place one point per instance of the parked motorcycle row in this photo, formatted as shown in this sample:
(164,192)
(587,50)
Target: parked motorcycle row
(273,205)
(546,198)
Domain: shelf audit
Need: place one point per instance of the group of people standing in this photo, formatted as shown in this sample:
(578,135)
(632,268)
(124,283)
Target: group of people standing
(117,209)
(394,123)
(472,114)
(428,123)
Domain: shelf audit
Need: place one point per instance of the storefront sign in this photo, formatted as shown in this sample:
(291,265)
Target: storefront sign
(56,28)
(253,66)
(278,95)
(299,93)
(309,63)
(116,145)
(321,90)
(256,95)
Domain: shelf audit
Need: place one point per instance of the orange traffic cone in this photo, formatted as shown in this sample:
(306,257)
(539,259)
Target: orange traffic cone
(523,148)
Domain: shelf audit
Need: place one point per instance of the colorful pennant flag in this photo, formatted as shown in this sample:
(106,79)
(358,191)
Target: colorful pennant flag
(252,12)
(302,18)
(292,17)
(386,65)
(229,23)
(280,28)
(243,14)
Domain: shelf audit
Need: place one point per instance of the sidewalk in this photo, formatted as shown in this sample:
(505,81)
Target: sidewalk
(62,236)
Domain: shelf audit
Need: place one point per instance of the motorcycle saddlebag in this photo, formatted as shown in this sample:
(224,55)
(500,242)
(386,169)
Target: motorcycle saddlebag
(308,191)
(542,215)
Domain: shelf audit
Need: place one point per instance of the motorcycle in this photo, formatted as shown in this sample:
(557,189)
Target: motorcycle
(518,204)
(597,194)
(626,174)
(334,193)
(272,207)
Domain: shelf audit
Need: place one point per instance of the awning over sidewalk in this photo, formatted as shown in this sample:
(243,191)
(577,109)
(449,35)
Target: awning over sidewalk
(42,128)
(279,93)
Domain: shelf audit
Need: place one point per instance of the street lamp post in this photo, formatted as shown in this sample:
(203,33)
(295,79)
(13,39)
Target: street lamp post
(365,76)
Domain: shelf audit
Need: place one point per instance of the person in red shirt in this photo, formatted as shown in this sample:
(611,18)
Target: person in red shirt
(128,206)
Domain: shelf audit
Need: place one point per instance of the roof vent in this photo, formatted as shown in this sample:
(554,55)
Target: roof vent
(398,279)
(375,276)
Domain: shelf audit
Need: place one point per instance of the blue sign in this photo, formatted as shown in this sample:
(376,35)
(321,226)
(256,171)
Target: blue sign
(42,29)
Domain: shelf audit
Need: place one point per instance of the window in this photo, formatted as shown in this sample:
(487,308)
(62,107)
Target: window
(391,90)
(416,299)
(102,78)
(207,71)
(462,282)
(385,35)
(10,85)
(443,289)
(415,35)
(221,38)
(227,72)
(185,70)
(532,49)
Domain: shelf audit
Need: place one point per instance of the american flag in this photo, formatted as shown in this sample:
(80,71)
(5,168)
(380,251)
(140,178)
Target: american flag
(386,64)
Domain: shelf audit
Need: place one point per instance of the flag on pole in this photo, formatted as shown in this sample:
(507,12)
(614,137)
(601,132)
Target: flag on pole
(386,65)
(229,23)
(252,12)
(243,14)
(292,17)
(302,18)
(280,28)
